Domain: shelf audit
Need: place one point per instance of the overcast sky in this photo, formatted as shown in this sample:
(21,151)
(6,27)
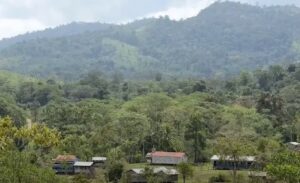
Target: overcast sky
(20,16)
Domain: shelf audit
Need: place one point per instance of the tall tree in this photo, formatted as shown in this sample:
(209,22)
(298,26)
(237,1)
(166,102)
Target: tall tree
(233,147)
(196,133)
(186,170)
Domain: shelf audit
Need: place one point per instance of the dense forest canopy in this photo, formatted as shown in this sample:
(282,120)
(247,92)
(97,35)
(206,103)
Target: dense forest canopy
(255,112)
(221,41)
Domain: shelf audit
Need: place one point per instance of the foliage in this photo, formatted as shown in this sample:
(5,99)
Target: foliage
(80,179)
(219,178)
(186,170)
(125,119)
(16,163)
(284,166)
(115,171)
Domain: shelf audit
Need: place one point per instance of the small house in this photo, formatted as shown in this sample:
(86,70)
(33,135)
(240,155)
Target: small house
(99,161)
(166,158)
(64,164)
(294,146)
(84,167)
(163,174)
(228,163)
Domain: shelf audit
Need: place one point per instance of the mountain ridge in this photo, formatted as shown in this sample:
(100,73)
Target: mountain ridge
(220,41)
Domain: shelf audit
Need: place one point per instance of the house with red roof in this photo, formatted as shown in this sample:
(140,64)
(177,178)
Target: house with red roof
(166,158)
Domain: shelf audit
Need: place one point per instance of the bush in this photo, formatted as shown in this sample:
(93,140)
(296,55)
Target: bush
(80,178)
(241,178)
(219,178)
(115,172)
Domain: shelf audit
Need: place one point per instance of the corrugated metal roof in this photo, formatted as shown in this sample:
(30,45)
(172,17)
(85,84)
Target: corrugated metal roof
(168,154)
(165,170)
(243,158)
(137,170)
(156,171)
(294,143)
(83,163)
(61,158)
(99,159)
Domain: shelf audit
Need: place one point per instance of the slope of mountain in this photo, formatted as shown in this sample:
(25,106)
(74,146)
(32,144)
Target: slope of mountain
(221,41)
(60,31)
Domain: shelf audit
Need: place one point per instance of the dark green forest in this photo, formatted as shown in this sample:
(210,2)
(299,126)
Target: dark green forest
(221,41)
(224,82)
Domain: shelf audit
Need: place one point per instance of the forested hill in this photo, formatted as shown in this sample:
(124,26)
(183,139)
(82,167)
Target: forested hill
(74,28)
(221,41)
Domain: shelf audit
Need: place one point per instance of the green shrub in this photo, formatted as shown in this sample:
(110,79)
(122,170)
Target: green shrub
(219,178)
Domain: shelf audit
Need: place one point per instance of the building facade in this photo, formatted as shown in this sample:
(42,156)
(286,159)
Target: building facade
(84,167)
(166,158)
(99,161)
(228,163)
(64,164)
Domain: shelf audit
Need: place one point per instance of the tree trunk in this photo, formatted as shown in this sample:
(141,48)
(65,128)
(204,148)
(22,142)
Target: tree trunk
(196,153)
(183,179)
(196,146)
(234,172)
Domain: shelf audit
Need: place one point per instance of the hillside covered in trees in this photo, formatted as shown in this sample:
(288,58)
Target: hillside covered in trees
(226,82)
(221,41)
(255,114)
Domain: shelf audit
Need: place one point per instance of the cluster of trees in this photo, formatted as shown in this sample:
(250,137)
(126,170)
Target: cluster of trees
(24,151)
(252,114)
(221,41)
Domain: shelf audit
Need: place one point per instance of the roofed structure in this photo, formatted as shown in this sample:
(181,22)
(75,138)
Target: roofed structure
(168,154)
(156,170)
(64,164)
(84,167)
(137,175)
(99,161)
(294,146)
(83,164)
(227,158)
(166,158)
(65,158)
(228,163)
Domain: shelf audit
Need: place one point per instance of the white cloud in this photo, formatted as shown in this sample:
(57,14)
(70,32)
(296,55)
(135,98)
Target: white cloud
(12,27)
(184,9)
(18,17)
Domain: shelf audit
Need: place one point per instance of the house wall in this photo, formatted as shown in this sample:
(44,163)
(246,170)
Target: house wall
(84,170)
(229,165)
(168,160)
(63,168)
